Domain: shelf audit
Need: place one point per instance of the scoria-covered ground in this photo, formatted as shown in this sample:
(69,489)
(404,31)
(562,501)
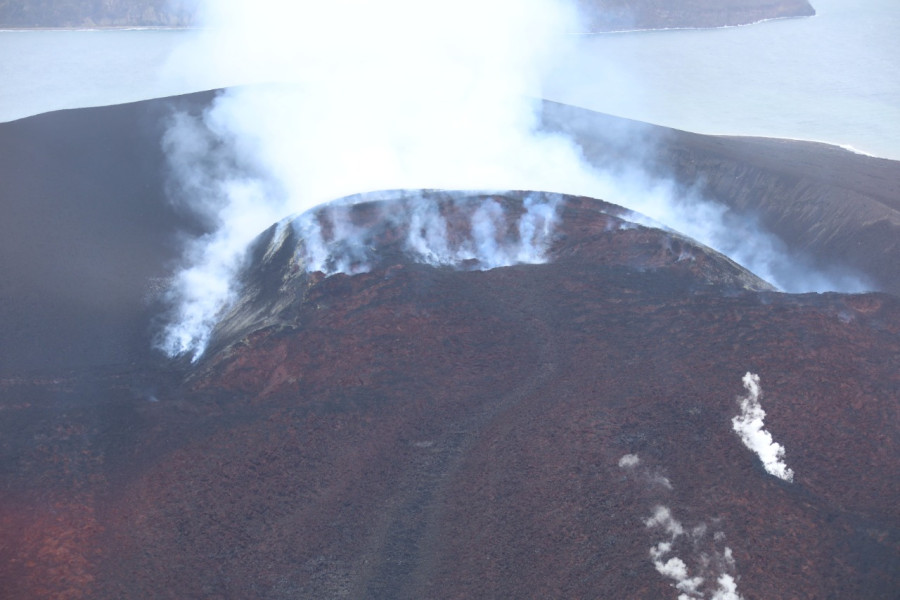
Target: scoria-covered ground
(444,432)
(530,431)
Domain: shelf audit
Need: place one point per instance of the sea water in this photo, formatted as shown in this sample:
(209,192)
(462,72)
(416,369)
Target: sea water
(832,78)
(45,70)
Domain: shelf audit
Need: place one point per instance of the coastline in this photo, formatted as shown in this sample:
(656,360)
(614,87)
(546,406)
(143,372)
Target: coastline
(828,145)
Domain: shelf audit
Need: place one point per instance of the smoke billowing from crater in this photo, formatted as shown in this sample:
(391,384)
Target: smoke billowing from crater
(351,97)
(357,97)
(439,229)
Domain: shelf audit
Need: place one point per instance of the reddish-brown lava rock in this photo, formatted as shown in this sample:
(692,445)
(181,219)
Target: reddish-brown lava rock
(429,432)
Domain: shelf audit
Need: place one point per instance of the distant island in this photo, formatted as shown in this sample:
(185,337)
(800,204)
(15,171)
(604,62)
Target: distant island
(601,15)
(96,13)
(626,15)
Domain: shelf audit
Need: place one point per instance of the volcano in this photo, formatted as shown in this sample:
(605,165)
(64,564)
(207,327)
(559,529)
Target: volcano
(395,422)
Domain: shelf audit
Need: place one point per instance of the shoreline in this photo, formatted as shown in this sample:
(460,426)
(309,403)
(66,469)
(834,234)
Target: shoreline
(829,145)
(832,145)
(842,146)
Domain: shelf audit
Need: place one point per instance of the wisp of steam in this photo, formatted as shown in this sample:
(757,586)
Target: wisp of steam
(713,570)
(708,569)
(350,96)
(750,426)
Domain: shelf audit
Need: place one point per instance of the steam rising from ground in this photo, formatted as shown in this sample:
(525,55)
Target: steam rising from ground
(714,563)
(358,96)
(708,569)
(352,96)
(441,229)
(750,426)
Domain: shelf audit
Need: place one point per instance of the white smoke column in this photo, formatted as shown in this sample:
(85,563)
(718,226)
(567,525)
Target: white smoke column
(488,243)
(629,461)
(727,589)
(749,425)
(485,233)
(535,229)
(352,96)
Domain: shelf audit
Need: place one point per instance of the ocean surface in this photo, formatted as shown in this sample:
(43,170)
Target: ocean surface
(834,77)
(831,78)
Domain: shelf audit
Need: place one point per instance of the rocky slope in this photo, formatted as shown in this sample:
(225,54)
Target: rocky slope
(438,430)
(86,235)
(447,432)
(832,205)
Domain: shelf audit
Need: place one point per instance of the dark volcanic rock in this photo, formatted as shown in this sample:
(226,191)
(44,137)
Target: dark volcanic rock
(417,431)
(87,234)
(434,431)
(829,204)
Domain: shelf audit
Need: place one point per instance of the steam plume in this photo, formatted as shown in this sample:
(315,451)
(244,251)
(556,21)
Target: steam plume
(653,476)
(355,96)
(350,96)
(629,461)
(708,563)
(485,236)
(750,426)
